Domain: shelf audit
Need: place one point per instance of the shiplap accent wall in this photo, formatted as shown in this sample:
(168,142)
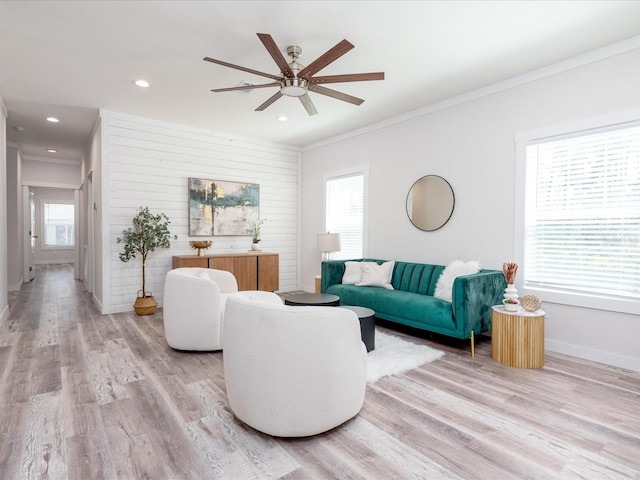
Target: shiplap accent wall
(148,163)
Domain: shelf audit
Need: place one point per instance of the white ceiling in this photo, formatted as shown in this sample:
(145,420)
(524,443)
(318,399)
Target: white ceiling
(70,58)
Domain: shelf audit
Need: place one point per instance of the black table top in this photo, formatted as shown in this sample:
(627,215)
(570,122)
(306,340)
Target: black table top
(362,312)
(313,299)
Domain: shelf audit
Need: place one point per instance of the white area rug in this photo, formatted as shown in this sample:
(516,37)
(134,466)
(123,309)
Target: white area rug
(394,355)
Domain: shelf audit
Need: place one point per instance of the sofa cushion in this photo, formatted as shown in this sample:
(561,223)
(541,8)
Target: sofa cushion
(418,310)
(352,273)
(374,275)
(416,277)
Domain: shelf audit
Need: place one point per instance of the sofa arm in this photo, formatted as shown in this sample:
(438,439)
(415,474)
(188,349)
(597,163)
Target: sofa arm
(331,273)
(472,299)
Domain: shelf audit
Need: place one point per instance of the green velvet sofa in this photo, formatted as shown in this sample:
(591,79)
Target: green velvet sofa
(412,303)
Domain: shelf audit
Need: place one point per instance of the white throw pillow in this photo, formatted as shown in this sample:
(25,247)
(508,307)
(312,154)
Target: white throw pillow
(352,273)
(455,269)
(374,275)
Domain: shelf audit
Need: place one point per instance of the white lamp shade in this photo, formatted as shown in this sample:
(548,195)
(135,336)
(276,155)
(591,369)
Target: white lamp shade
(328,242)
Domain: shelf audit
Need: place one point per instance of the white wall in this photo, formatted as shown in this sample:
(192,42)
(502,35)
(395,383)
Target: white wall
(4,305)
(15,229)
(91,217)
(148,163)
(471,144)
(51,173)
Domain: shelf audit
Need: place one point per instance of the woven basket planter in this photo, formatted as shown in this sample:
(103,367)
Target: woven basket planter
(145,304)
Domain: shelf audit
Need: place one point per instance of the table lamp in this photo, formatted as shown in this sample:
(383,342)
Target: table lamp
(327,243)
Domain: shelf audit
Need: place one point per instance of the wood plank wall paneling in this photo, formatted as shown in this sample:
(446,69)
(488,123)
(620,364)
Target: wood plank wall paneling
(149,163)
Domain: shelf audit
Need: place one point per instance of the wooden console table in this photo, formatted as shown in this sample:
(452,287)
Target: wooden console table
(517,338)
(253,271)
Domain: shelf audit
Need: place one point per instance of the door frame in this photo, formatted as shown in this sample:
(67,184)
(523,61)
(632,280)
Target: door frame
(29,222)
(26,187)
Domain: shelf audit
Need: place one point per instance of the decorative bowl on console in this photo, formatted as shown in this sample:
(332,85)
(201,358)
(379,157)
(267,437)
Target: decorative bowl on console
(200,245)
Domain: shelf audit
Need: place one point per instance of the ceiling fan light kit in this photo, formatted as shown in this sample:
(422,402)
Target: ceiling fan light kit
(294,87)
(296,80)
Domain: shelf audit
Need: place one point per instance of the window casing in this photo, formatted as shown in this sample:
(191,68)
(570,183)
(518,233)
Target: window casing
(58,225)
(578,234)
(345,211)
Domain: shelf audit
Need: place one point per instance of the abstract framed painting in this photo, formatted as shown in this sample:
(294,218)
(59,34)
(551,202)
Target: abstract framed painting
(220,207)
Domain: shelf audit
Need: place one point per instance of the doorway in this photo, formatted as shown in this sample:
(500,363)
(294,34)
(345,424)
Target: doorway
(51,219)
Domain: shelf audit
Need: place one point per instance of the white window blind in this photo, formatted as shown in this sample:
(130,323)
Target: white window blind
(582,212)
(58,219)
(345,213)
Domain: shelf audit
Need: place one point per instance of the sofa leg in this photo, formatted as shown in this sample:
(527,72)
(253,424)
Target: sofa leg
(473,344)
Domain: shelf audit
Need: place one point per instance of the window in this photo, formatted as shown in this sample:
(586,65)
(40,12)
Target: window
(581,225)
(345,212)
(58,219)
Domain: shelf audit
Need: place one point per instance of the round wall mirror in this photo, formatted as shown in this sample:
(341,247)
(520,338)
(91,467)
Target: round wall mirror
(430,203)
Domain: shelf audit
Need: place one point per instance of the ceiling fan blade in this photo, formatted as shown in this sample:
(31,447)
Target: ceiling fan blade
(349,77)
(271,99)
(323,60)
(246,87)
(275,53)
(244,69)
(337,95)
(308,104)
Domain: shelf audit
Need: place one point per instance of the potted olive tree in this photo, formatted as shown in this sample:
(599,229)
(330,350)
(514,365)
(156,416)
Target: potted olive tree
(148,233)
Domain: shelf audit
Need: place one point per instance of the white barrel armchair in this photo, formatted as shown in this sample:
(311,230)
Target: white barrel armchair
(292,371)
(193,307)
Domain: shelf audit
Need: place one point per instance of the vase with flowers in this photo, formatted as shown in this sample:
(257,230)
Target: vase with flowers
(509,269)
(255,240)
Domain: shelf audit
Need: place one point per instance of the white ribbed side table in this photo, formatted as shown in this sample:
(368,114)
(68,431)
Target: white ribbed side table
(517,338)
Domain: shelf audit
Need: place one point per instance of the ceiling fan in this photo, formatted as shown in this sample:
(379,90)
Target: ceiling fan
(296,80)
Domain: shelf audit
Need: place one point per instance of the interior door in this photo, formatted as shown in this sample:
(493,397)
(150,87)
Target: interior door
(30,233)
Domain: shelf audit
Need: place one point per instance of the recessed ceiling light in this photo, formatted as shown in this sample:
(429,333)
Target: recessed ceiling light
(283,118)
(142,83)
(51,150)
(18,128)
(52,119)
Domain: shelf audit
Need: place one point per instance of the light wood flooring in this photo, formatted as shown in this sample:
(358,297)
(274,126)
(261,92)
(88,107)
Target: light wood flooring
(90,396)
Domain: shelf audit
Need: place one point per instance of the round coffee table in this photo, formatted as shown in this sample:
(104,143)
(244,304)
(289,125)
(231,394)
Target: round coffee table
(367,319)
(314,299)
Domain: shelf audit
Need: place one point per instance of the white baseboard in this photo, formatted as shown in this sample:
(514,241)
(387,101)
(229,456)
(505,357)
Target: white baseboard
(5,314)
(630,363)
(98,304)
(15,288)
